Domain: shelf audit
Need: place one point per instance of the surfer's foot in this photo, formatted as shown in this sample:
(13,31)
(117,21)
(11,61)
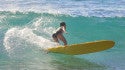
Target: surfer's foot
(47,52)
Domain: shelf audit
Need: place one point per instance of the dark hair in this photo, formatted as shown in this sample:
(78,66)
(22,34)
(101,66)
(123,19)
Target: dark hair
(62,24)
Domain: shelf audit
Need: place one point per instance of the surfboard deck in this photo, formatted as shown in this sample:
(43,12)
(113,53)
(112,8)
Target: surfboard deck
(83,48)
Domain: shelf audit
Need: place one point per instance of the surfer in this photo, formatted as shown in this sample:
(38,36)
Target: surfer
(58,35)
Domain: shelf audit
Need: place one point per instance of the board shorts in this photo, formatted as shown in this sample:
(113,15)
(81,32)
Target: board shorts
(55,34)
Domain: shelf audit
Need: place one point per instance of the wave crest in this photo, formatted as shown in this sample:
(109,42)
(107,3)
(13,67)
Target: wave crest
(72,8)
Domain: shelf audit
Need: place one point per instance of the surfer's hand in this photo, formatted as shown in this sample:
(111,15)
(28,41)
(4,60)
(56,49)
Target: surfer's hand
(66,32)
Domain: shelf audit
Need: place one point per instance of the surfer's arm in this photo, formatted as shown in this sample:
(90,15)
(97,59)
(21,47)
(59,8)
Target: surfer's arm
(64,30)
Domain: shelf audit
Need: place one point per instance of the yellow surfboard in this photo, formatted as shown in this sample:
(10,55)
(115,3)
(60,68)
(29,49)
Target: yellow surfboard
(83,48)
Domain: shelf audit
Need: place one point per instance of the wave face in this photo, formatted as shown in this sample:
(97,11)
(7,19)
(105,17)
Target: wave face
(26,27)
(112,8)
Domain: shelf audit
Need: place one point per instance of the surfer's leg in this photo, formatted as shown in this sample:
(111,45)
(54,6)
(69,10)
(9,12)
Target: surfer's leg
(62,38)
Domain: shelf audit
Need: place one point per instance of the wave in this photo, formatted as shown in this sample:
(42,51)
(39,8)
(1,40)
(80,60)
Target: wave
(73,8)
(30,28)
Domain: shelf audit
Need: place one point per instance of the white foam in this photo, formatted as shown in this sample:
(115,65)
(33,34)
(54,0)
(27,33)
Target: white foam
(2,17)
(14,37)
(37,23)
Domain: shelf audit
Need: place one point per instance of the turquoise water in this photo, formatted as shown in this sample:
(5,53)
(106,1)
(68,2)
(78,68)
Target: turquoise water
(26,28)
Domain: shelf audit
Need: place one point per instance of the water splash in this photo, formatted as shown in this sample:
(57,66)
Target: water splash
(18,39)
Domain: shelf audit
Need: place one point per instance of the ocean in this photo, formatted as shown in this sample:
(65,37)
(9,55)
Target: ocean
(26,27)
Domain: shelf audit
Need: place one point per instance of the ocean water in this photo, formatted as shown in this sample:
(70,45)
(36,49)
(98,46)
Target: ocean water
(26,27)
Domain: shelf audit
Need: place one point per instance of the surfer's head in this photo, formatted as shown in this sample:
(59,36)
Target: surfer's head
(62,24)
